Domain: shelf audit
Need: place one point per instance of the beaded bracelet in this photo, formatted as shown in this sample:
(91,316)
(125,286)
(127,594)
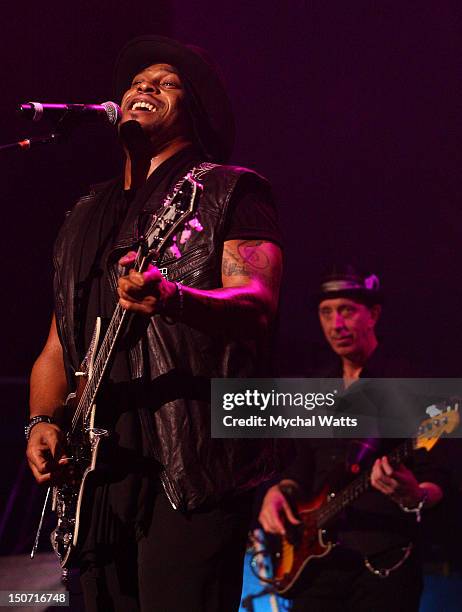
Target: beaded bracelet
(418,509)
(35,420)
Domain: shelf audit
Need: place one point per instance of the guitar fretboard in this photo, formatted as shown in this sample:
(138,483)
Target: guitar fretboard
(100,365)
(359,486)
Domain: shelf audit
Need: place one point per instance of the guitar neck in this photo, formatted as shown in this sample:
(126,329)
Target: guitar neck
(103,358)
(360,485)
(106,351)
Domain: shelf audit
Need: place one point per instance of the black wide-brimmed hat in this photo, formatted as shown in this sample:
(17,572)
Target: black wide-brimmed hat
(346,281)
(207,100)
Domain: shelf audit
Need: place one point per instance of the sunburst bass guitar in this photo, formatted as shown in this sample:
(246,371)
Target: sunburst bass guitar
(309,540)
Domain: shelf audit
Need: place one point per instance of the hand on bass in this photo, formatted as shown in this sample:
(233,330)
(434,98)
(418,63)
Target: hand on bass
(45,452)
(276,511)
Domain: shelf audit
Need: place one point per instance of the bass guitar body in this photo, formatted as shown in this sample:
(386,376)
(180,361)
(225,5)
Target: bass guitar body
(300,545)
(308,540)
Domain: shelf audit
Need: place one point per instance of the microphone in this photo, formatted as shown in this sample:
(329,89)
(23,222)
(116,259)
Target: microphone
(107,111)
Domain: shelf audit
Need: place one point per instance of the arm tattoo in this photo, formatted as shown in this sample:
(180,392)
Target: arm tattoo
(251,261)
(253,256)
(233,268)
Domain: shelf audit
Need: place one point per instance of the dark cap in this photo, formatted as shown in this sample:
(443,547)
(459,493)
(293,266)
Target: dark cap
(207,100)
(346,281)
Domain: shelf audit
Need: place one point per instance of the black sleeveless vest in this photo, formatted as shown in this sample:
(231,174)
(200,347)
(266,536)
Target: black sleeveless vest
(176,361)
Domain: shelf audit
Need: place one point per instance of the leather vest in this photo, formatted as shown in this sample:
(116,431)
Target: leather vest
(176,361)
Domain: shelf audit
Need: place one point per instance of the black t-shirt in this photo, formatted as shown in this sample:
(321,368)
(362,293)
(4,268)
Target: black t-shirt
(252,214)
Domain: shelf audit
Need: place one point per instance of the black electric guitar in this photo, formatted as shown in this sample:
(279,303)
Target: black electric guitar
(309,540)
(71,499)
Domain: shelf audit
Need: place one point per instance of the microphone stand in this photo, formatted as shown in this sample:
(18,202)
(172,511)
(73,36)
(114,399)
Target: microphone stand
(64,127)
(29,143)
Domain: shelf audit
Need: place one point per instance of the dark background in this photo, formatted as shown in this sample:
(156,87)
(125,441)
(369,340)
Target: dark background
(351,109)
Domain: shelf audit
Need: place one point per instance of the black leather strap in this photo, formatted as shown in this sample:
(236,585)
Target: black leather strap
(40,418)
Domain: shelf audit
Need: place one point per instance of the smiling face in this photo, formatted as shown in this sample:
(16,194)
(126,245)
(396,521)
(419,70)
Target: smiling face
(156,101)
(349,327)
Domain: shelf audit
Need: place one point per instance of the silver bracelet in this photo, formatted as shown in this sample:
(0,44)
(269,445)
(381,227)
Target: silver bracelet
(417,510)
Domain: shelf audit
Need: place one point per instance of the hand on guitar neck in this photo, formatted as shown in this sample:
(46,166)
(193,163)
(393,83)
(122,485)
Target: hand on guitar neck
(400,484)
(147,292)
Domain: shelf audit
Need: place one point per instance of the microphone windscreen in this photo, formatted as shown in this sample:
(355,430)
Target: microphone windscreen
(113,112)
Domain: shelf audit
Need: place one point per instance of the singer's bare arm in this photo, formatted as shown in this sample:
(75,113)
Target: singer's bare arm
(243,306)
(48,390)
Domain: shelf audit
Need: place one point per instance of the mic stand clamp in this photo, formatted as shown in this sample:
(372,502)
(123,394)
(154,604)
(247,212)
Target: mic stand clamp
(29,143)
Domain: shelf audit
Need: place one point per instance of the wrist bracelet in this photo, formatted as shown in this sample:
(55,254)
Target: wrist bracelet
(180,300)
(418,509)
(35,420)
(178,309)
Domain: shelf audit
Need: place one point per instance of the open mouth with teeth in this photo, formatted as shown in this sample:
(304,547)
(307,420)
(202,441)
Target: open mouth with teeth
(143,106)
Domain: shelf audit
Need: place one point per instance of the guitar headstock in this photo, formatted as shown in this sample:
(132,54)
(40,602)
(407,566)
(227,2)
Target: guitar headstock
(173,215)
(431,429)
